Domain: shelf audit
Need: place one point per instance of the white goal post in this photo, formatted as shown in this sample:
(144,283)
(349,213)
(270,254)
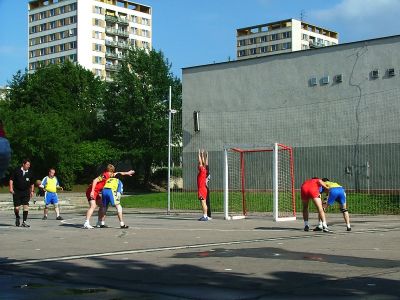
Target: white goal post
(259,179)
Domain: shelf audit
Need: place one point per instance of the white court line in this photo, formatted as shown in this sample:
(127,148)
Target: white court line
(183,247)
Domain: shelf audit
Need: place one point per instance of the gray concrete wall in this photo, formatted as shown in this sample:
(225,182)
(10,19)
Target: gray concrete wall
(332,127)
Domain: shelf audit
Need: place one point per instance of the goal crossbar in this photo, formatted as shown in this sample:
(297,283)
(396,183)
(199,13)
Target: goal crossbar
(276,148)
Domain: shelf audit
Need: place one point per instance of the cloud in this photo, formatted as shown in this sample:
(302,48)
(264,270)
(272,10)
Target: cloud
(361,19)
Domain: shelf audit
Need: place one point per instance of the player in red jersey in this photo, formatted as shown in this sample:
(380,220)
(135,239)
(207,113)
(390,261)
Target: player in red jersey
(310,189)
(202,185)
(93,194)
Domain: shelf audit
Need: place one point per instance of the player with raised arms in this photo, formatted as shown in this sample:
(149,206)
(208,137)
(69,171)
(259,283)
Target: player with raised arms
(202,184)
(310,189)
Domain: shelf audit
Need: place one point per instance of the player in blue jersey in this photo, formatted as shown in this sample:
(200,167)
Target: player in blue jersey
(50,185)
(111,194)
(336,193)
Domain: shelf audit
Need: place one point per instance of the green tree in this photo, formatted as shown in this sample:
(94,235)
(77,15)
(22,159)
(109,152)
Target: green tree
(51,117)
(136,109)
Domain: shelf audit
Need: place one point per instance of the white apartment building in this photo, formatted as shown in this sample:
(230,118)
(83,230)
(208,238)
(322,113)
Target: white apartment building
(93,33)
(280,37)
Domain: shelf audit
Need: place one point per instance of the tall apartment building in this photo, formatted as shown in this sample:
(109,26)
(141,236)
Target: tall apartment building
(280,37)
(93,33)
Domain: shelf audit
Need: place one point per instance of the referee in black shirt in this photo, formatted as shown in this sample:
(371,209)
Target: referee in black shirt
(22,188)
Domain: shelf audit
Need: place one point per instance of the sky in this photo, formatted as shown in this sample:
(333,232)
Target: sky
(192,33)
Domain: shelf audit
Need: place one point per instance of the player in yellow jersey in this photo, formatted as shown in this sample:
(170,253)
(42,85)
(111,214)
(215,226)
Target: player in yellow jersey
(111,194)
(50,185)
(336,192)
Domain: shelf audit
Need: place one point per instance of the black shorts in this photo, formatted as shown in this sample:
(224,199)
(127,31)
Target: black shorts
(21,198)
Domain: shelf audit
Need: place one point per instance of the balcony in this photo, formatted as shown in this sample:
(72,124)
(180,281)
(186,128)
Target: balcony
(122,21)
(112,67)
(113,31)
(111,55)
(123,45)
(111,19)
(111,43)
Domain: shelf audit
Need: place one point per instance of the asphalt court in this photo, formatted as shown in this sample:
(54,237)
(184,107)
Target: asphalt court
(177,257)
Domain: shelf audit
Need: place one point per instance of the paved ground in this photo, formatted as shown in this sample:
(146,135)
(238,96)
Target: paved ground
(177,257)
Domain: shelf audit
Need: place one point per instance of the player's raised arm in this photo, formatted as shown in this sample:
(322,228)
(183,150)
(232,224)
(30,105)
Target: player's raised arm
(129,173)
(200,159)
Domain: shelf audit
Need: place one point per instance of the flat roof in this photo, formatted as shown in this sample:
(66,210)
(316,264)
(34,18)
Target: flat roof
(336,47)
(282,21)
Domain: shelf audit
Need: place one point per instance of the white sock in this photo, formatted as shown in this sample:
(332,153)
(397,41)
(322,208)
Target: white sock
(102,223)
(348,225)
(324,224)
(305,223)
(205,216)
(87,222)
(121,223)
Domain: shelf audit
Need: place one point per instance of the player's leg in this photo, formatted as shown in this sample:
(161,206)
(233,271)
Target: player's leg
(25,203)
(305,200)
(17,205)
(56,206)
(343,208)
(101,217)
(46,206)
(89,213)
(208,203)
(203,209)
(321,214)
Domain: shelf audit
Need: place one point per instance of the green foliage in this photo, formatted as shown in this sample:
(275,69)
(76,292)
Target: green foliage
(49,114)
(136,110)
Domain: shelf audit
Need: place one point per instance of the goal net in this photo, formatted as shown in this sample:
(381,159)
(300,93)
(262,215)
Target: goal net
(259,179)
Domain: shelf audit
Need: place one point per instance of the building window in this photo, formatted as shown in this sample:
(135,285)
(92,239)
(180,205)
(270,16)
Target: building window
(286,35)
(72,6)
(264,39)
(134,30)
(274,37)
(146,45)
(145,33)
(242,43)
(72,19)
(242,53)
(274,47)
(97,35)
(72,45)
(286,46)
(253,51)
(42,40)
(31,54)
(33,29)
(98,72)
(52,12)
(304,47)
(52,49)
(98,47)
(62,47)
(97,59)
(97,22)
(252,41)
(43,15)
(42,51)
(52,25)
(42,27)
(61,22)
(263,49)
(62,9)
(304,37)
(145,21)
(97,10)
(134,19)
(73,58)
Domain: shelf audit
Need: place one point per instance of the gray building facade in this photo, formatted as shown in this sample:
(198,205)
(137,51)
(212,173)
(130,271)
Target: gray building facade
(338,107)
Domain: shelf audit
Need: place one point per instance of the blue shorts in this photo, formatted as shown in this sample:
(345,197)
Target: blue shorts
(50,198)
(109,197)
(337,194)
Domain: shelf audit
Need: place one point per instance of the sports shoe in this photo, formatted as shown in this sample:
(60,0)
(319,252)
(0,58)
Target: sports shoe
(101,226)
(326,229)
(204,219)
(59,218)
(17,223)
(209,218)
(44,218)
(24,224)
(317,228)
(87,226)
(306,228)
(348,228)
(123,226)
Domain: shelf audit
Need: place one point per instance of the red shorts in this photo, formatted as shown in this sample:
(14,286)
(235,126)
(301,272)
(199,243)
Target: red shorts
(202,193)
(309,192)
(97,196)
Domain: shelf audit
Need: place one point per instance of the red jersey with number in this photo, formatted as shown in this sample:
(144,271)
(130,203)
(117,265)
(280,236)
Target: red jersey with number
(201,183)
